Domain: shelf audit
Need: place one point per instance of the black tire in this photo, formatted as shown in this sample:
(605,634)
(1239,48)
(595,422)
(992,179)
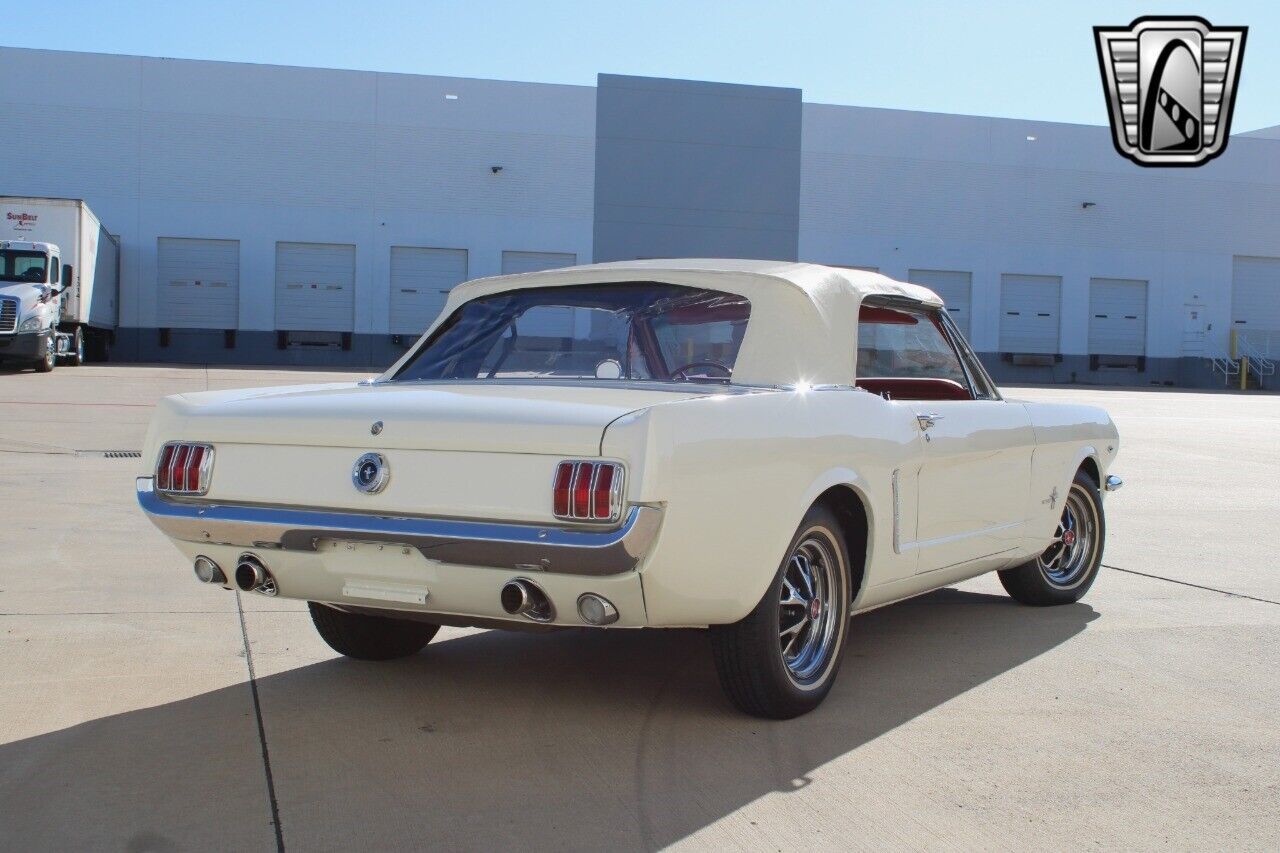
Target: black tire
(749,654)
(1037,582)
(47,363)
(369,637)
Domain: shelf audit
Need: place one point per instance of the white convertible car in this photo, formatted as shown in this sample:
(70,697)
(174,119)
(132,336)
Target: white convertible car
(758,448)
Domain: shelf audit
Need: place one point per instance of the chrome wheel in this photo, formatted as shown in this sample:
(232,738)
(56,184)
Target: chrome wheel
(807,617)
(1068,561)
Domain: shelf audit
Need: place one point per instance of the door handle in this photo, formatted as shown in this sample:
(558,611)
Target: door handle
(928,420)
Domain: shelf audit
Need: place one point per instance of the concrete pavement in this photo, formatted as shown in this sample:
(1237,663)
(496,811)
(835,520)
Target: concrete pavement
(1144,717)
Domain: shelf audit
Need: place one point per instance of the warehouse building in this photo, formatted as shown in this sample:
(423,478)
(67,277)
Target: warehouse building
(283,215)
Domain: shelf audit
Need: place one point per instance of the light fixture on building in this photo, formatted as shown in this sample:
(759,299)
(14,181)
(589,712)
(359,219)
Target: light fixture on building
(495,169)
(451,97)
(1031,138)
(1085,205)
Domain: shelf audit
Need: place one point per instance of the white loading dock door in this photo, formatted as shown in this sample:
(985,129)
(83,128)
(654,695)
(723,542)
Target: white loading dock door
(197,283)
(1255,293)
(1030,309)
(420,282)
(954,287)
(315,287)
(546,322)
(1117,316)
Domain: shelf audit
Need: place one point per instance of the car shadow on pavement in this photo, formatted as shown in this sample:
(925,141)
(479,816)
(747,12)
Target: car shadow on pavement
(572,740)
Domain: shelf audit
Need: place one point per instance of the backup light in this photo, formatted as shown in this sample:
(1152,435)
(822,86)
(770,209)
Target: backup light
(184,468)
(596,609)
(587,491)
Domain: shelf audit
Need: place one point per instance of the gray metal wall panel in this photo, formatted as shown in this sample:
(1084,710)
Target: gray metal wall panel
(1117,316)
(688,169)
(1030,313)
(514,262)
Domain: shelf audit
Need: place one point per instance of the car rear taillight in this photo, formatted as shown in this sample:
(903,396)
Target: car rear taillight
(184,468)
(587,491)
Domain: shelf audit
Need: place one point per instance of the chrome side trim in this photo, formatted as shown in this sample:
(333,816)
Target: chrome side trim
(468,543)
(897,510)
(1113,483)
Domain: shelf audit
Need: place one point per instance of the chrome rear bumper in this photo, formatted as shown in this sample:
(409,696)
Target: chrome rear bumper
(521,547)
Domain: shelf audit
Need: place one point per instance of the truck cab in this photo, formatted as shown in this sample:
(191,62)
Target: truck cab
(32,280)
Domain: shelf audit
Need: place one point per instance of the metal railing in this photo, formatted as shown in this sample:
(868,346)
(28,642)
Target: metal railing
(1226,366)
(1251,349)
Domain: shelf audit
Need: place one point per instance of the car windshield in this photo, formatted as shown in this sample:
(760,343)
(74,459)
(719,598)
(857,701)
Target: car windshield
(22,265)
(628,331)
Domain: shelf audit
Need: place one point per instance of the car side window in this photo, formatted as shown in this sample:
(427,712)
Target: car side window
(904,353)
(979,381)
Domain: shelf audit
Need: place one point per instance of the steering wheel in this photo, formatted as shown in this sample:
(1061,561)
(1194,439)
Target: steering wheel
(682,372)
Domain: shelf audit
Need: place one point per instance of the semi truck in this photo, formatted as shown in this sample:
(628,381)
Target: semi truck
(59,283)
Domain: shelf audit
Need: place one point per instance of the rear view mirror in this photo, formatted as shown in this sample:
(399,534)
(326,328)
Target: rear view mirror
(65,284)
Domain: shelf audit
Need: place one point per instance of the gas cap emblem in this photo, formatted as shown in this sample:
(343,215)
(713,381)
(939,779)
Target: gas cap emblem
(376,429)
(370,473)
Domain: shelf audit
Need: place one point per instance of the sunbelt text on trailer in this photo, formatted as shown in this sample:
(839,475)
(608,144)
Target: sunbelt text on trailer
(59,282)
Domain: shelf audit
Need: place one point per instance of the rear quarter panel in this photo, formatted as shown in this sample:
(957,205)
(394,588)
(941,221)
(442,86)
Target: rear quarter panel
(736,473)
(1066,435)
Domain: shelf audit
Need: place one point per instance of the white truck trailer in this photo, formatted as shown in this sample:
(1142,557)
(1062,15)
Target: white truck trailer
(59,282)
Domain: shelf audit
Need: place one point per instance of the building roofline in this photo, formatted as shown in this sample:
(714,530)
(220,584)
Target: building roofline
(1252,134)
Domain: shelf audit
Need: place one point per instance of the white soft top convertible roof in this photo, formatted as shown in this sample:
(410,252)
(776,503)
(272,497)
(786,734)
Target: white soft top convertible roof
(804,317)
(811,278)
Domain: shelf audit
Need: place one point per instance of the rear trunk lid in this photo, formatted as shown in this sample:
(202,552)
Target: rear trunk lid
(557,419)
(463,450)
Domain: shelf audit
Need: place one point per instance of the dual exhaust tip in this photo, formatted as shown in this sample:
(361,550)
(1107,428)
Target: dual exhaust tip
(523,597)
(519,597)
(250,575)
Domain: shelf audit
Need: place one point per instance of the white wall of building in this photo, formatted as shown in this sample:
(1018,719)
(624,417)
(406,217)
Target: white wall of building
(260,154)
(266,154)
(903,190)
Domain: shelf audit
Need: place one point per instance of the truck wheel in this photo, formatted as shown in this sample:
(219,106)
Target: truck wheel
(369,637)
(76,357)
(1068,567)
(781,660)
(46,364)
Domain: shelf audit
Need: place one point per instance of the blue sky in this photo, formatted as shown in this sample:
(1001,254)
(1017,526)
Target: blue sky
(1019,59)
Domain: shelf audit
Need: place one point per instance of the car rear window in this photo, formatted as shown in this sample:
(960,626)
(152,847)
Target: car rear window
(627,331)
